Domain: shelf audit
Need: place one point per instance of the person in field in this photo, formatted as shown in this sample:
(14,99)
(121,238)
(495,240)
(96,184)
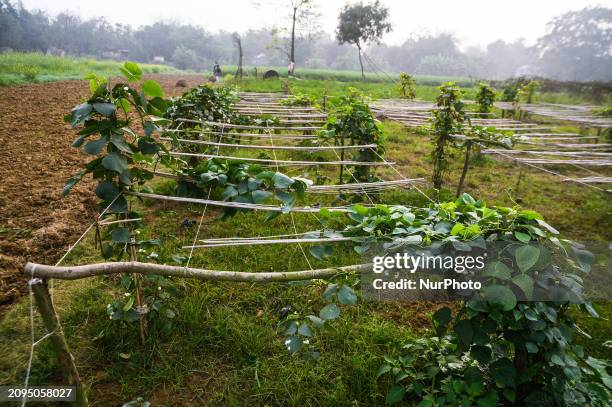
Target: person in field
(290,68)
(217,73)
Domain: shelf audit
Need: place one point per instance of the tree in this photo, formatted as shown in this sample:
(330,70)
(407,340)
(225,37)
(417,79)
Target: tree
(359,24)
(577,45)
(301,10)
(304,21)
(238,43)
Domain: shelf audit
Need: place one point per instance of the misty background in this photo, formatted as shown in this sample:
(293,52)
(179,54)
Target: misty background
(575,46)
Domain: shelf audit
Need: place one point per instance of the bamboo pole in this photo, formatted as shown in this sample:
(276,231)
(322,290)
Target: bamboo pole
(137,286)
(58,340)
(468,146)
(98,269)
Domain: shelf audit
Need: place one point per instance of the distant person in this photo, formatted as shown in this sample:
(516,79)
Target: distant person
(290,68)
(217,73)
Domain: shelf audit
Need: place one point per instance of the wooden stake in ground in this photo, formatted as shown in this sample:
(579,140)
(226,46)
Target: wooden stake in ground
(58,341)
(139,306)
(468,146)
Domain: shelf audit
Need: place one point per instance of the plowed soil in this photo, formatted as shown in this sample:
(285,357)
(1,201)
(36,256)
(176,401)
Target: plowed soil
(36,222)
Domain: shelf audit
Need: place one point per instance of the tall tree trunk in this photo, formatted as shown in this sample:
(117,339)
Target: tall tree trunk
(292,56)
(360,62)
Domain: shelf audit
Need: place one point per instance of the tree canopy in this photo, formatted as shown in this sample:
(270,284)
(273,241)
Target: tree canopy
(359,24)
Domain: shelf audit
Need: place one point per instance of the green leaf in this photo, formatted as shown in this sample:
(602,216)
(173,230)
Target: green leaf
(321,252)
(498,270)
(281,181)
(80,113)
(382,370)
(457,229)
(531,347)
(500,296)
(329,312)
(467,198)
(591,310)
(121,235)
(347,296)
(152,89)
(115,162)
(128,304)
(119,142)
(442,316)
(584,258)
(464,331)
(318,322)
(293,344)
(131,71)
(503,372)
(71,182)
(330,290)
(395,394)
(78,142)
(547,226)
(526,257)
(530,215)
(305,330)
(94,147)
(106,190)
(105,109)
(522,237)
(525,283)
(260,195)
(124,104)
(481,353)
(147,147)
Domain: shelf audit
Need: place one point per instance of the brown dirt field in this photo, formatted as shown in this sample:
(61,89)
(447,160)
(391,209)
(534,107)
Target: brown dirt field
(36,222)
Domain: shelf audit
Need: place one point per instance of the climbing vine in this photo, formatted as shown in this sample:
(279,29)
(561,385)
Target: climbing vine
(406,86)
(447,119)
(121,155)
(496,349)
(298,99)
(236,181)
(485,98)
(352,121)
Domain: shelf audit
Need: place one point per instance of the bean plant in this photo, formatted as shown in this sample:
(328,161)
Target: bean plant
(407,86)
(529,90)
(496,348)
(298,99)
(121,156)
(451,129)
(352,121)
(448,118)
(236,181)
(485,98)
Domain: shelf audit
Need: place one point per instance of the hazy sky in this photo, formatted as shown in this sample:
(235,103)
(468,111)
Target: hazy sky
(474,22)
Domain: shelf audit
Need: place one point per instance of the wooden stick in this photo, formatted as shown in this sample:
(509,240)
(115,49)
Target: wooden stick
(468,146)
(296,148)
(239,205)
(99,269)
(283,162)
(242,126)
(58,340)
(134,257)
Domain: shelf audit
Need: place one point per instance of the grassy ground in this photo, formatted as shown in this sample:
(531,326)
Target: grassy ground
(17,68)
(223,349)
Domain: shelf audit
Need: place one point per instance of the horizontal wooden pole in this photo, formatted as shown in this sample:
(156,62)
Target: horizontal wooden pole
(284,162)
(100,269)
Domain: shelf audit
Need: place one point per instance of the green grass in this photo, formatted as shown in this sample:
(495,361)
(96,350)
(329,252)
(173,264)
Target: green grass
(348,76)
(18,68)
(223,349)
